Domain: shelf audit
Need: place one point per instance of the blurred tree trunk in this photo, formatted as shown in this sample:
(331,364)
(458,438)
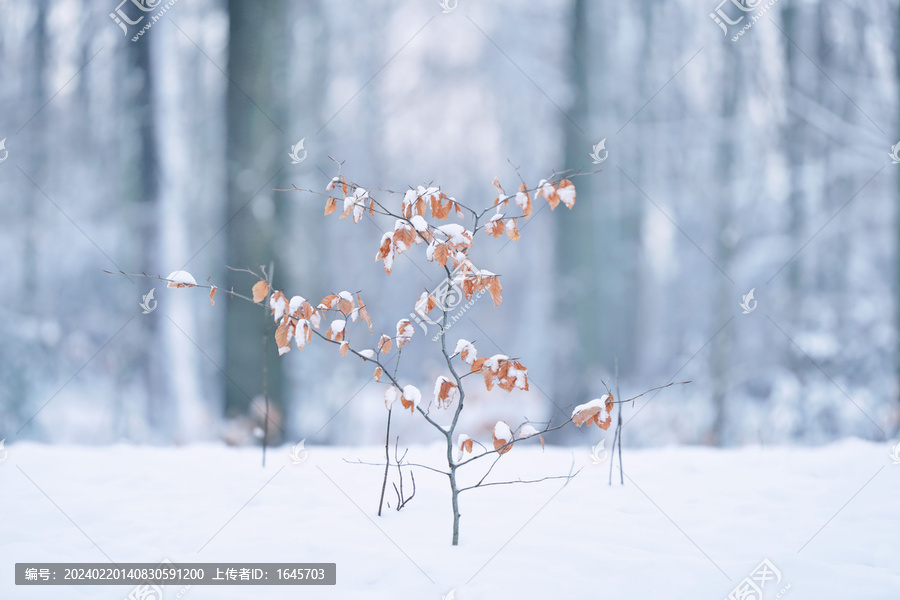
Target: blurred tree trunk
(21,389)
(726,170)
(597,262)
(896,411)
(141,176)
(256,149)
(577,265)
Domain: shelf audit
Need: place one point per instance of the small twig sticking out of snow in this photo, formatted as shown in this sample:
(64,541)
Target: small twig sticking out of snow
(401,500)
(617,437)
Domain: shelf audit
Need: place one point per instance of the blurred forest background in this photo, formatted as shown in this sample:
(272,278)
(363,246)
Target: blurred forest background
(761,163)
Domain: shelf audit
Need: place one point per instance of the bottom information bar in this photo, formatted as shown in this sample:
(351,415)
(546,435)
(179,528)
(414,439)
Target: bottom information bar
(169,573)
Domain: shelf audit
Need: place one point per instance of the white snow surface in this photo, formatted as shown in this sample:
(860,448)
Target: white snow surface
(690,522)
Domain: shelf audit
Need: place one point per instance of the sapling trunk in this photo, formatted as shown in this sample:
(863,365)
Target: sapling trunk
(387,461)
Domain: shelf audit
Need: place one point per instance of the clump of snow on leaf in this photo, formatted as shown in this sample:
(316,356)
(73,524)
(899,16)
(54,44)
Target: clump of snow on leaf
(596,411)
(278,304)
(527,431)
(466,351)
(502,431)
(405,331)
(180,279)
(391,395)
(493,363)
(411,397)
(502,436)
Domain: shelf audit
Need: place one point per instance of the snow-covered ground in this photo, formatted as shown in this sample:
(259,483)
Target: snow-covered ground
(689,523)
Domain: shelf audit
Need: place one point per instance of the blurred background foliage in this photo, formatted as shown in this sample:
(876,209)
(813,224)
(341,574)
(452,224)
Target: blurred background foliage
(760,163)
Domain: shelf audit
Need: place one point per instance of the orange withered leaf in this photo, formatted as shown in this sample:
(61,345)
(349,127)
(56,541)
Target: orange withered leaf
(283,335)
(509,374)
(278,303)
(336,330)
(494,288)
(385,247)
(404,237)
(465,443)
(386,251)
(330,206)
(597,411)
(549,192)
(302,333)
(364,313)
(344,347)
(334,182)
(441,254)
(523,200)
(345,304)
(445,392)
(212,294)
(466,351)
(512,229)
(260,290)
(494,227)
(440,209)
(305,310)
(405,331)
(425,304)
(377,374)
(384,344)
(330,301)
